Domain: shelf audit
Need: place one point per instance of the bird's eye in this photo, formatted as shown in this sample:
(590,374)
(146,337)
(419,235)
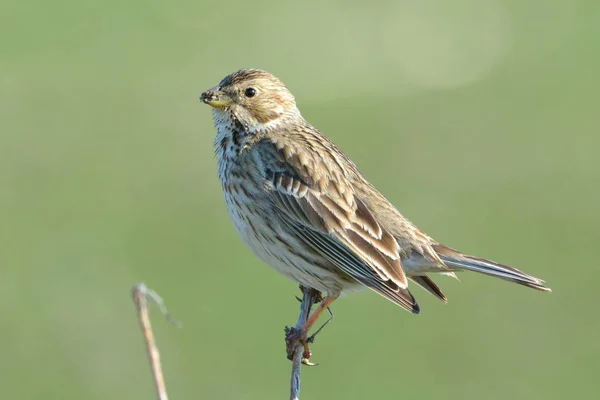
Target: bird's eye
(250,92)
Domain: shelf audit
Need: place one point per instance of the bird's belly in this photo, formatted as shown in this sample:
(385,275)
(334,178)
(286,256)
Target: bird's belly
(282,250)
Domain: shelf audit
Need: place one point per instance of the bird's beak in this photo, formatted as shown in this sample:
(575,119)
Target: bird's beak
(215,98)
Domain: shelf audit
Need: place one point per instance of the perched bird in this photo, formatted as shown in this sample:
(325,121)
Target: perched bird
(303,207)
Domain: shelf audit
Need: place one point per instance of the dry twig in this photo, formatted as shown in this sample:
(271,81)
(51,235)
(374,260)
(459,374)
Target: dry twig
(141,293)
(309,297)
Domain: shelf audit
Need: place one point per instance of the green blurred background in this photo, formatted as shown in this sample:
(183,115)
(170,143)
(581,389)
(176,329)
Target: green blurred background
(478,118)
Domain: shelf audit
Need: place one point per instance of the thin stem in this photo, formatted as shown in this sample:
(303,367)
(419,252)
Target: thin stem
(141,293)
(308,299)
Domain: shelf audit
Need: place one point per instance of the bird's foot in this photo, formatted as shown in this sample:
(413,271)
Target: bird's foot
(295,338)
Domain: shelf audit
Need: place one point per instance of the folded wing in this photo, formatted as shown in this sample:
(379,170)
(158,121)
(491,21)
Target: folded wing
(312,198)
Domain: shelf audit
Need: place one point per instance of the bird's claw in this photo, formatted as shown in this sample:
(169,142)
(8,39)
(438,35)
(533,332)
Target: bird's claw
(295,337)
(306,362)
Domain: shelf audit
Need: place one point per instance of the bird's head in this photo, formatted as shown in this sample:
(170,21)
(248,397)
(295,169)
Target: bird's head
(254,97)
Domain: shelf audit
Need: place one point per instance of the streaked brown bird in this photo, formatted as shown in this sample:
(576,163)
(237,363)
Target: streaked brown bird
(304,208)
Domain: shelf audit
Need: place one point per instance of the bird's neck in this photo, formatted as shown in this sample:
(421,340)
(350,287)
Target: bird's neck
(234,137)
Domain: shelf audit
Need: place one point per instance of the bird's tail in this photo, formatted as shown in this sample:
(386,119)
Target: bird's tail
(456,260)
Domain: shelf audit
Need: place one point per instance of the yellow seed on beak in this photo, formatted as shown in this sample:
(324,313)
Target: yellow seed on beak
(215,98)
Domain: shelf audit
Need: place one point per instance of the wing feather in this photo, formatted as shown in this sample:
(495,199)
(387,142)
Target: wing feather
(323,210)
(354,266)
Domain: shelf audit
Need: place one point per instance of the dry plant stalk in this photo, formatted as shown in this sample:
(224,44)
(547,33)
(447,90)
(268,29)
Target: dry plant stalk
(141,293)
(309,297)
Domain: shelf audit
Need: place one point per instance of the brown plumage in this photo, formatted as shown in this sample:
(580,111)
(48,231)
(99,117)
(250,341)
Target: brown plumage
(304,208)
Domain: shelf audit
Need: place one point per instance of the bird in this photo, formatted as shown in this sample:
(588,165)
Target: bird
(303,207)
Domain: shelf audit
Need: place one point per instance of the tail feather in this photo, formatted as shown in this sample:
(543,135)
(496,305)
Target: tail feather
(456,260)
(426,283)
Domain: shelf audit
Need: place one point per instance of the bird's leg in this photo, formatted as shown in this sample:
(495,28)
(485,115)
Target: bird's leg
(299,335)
(324,305)
(312,337)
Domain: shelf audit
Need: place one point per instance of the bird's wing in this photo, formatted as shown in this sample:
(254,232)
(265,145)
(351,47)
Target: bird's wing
(313,197)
